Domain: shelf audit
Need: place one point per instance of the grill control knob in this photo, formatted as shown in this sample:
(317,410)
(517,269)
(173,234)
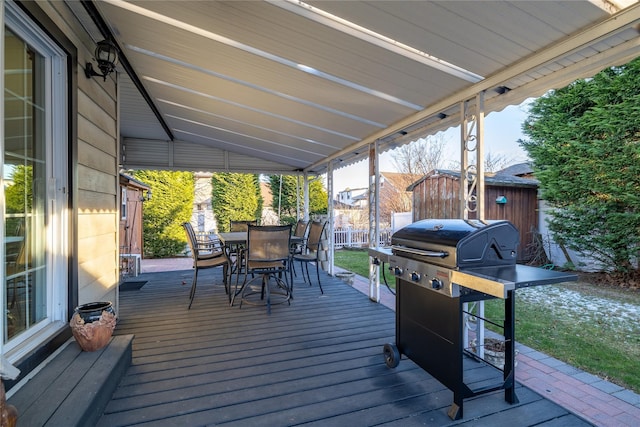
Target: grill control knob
(436,283)
(415,276)
(397,271)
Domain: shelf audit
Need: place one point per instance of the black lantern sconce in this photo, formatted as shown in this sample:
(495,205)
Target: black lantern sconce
(146,197)
(106,55)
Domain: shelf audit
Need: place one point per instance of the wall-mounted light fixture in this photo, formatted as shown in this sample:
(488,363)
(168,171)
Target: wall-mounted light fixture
(106,55)
(146,196)
(501,200)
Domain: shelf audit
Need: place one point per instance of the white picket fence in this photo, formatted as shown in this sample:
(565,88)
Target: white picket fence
(347,238)
(350,238)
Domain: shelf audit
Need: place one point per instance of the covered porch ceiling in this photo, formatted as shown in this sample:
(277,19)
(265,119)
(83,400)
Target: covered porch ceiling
(285,86)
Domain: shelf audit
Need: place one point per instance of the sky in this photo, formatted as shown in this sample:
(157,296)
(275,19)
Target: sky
(502,129)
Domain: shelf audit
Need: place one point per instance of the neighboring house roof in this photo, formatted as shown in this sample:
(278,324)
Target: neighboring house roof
(498,179)
(363,196)
(339,205)
(520,169)
(132,182)
(398,180)
(351,190)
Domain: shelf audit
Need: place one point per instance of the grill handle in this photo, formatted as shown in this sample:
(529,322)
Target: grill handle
(432,254)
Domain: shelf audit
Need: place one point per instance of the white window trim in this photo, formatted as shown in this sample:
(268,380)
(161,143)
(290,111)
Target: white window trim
(123,203)
(56,133)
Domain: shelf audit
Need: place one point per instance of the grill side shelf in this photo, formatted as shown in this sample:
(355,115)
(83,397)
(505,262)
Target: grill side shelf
(487,285)
(380,254)
(508,277)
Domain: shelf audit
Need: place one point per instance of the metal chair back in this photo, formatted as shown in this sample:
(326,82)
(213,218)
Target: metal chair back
(301,228)
(268,243)
(205,255)
(315,235)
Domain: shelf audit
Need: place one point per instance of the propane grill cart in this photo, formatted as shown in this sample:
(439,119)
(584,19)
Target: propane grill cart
(439,265)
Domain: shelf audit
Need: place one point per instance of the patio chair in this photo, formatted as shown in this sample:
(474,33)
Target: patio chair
(241,225)
(205,255)
(311,251)
(301,233)
(15,269)
(267,256)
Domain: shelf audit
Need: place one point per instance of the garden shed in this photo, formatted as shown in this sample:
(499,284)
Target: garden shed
(132,195)
(437,195)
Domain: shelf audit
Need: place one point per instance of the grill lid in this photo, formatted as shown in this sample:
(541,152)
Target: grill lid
(472,242)
(440,231)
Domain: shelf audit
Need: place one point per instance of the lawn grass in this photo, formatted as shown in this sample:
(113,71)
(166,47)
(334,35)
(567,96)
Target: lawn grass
(354,260)
(586,338)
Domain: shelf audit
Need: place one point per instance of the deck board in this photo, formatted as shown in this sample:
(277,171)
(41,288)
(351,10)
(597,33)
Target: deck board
(317,361)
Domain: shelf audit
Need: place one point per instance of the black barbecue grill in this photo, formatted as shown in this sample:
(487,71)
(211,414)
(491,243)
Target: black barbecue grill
(439,265)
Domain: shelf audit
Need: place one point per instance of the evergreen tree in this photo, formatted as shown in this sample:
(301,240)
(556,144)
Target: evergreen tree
(170,206)
(318,197)
(584,141)
(18,195)
(286,199)
(236,196)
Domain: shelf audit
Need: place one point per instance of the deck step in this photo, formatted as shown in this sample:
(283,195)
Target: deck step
(74,387)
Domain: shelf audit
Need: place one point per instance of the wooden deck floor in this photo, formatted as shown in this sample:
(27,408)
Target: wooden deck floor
(317,361)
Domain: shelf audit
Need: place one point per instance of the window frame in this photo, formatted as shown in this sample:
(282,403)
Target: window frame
(57,128)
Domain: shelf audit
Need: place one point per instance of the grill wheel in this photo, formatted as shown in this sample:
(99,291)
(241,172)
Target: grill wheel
(391,355)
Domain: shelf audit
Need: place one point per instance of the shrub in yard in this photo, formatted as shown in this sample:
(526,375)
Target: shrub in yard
(163,215)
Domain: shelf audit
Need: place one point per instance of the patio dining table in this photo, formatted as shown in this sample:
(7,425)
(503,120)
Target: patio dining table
(234,242)
(239,239)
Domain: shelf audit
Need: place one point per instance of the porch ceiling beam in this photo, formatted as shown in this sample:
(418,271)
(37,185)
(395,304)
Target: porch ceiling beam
(91,9)
(187,156)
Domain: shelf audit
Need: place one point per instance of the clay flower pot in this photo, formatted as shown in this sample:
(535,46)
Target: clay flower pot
(92,325)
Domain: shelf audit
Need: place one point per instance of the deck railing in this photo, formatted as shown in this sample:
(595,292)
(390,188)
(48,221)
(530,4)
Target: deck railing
(350,238)
(344,238)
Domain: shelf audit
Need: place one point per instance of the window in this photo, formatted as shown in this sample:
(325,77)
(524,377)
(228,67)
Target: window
(123,202)
(33,170)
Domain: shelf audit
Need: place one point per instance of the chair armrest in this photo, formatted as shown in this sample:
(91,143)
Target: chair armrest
(209,245)
(208,254)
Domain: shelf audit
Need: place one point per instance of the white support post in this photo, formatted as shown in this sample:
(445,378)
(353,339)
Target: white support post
(472,192)
(298,197)
(472,167)
(374,219)
(305,191)
(329,227)
(480,196)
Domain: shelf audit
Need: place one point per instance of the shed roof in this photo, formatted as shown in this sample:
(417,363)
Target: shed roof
(519,169)
(288,86)
(492,180)
(132,182)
